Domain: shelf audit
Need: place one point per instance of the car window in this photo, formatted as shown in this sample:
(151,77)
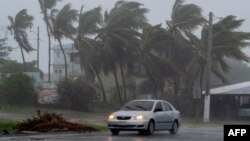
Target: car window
(138,106)
(167,107)
(159,106)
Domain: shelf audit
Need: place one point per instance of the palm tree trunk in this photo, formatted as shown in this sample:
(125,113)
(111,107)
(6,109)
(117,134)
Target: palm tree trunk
(151,78)
(117,85)
(123,81)
(65,60)
(24,63)
(49,50)
(102,87)
(176,90)
(49,29)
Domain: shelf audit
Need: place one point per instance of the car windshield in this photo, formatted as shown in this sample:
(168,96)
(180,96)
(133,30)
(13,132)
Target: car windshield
(138,106)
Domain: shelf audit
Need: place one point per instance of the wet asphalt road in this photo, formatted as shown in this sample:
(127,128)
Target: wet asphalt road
(184,134)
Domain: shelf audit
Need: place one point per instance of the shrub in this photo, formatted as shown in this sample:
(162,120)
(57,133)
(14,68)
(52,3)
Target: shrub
(75,94)
(17,89)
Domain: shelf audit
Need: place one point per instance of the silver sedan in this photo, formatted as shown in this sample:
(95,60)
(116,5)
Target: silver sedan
(145,116)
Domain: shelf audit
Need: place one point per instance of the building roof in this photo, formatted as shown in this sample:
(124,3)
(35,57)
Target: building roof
(233,89)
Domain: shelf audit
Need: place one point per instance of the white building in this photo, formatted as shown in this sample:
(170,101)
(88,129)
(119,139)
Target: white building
(73,62)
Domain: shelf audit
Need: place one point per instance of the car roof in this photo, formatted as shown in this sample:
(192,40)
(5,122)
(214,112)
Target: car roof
(153,100)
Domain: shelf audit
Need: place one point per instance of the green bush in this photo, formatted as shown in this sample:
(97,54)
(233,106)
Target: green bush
(8,125)
(17,89)
(75,94)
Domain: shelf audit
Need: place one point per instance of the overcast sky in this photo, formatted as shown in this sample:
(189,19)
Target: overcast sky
(160,11)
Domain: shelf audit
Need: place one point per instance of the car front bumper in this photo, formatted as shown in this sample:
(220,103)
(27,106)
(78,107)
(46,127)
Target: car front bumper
(128,124)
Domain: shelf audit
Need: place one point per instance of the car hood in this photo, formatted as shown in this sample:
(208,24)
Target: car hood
(131,113)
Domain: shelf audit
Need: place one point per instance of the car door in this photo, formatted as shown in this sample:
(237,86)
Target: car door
(168,115)
(159,116)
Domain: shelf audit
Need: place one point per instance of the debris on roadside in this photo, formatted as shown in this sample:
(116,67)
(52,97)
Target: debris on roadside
(51,122)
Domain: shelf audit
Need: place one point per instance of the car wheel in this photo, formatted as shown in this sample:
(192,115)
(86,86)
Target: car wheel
(114,131)
(151,128)
(174,129)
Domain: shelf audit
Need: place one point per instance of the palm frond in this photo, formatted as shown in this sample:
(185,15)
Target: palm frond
(18,26)
(23,20)
(216,70)
(63,20)
(89,21)
(186,16)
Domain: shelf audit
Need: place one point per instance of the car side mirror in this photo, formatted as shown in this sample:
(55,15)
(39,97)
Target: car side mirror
(158,110)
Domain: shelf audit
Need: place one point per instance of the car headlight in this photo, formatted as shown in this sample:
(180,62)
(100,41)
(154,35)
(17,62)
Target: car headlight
(139,117)
(111,117)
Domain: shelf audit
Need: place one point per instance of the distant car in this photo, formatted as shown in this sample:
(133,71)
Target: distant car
(244,110)
(145,116)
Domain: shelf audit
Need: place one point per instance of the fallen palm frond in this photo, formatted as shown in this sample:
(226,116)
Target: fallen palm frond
(51,122)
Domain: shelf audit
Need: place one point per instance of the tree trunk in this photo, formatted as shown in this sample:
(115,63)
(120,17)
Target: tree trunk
(24,63)
(123,81)
(49,29)
(101,85)
(65,59)
(176,90)
(151,78)
(49,50)
(117,85)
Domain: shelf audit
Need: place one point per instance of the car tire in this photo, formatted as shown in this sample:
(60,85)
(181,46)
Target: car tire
(174,128)
(151,128)
(114,131)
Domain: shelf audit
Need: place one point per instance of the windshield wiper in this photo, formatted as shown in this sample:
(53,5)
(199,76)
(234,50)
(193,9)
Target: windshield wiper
(129,108)
(141,107)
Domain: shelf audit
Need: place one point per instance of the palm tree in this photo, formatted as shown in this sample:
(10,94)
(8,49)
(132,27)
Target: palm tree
(18,26)
(185,19)
(45,6)
(118,33)
(155,43)
(62,26)
(227,43)
(89,49)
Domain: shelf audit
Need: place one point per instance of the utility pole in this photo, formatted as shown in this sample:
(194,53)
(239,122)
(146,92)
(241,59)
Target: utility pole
(38,46)
(208,70)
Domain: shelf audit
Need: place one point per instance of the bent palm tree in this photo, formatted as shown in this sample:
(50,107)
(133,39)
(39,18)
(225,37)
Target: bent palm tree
(89,49)
(228,42)
(62,24)
(155,43)
(118,33)
(45,6)
(18,26)
(185,19)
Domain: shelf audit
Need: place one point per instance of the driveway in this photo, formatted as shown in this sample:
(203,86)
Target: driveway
(184,134)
